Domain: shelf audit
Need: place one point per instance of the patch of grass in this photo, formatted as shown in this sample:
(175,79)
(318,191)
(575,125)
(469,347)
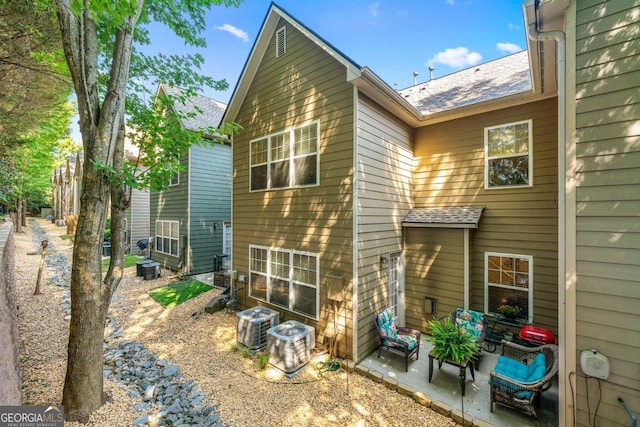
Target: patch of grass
(129,261)
(178,292)
(262,360)
(67,236)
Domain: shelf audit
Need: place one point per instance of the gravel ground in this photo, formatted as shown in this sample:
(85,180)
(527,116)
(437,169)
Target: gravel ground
(203,346)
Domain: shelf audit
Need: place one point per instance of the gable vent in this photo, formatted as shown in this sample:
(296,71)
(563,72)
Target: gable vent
(281,42)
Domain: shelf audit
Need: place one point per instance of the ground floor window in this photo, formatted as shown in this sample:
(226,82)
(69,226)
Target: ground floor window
(286,278)
(508,282)
(167,237)
(226,244)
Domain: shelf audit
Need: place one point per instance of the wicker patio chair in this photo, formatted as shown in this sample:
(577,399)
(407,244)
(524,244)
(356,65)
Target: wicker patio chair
(397,339)
(522,374)
(475,323)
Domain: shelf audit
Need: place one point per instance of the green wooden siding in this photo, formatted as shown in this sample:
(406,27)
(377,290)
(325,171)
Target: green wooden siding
(210,199)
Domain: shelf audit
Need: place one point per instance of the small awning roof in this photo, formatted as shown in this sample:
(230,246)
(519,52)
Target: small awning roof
(444,217)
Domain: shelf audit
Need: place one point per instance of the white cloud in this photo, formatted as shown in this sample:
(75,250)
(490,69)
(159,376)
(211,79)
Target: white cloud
(242,35)
(513,26)
(456,57)
(374,9)
(508,47)
(451,2)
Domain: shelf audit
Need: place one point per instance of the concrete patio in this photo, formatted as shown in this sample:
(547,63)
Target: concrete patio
(444,389)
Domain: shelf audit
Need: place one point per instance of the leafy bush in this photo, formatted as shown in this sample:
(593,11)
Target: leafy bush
(451,342)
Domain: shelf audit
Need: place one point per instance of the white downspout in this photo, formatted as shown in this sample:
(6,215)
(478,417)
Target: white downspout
(559,37)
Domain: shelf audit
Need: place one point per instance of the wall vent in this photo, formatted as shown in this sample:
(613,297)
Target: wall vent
(281,42)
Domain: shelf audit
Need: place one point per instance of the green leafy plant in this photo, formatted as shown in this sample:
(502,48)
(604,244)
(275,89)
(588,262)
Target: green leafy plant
(509,310)
(246,353)
(262,360)
(451,342)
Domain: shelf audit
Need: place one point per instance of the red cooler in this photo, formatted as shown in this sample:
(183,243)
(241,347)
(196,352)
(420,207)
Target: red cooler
(537,335)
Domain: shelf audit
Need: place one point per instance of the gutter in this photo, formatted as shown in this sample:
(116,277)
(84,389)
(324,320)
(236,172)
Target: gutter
(535,35)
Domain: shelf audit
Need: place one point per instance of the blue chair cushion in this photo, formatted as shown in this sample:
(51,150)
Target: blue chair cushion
(471,321)
(522,373)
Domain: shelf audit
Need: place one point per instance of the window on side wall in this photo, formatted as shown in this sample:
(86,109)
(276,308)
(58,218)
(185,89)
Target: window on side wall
(508,155)
(226,244)
(285,159)
(167,237)
(286,278)
(508,281)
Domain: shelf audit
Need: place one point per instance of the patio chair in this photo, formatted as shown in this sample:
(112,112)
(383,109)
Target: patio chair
(397,339)
(522,374)
(474,323)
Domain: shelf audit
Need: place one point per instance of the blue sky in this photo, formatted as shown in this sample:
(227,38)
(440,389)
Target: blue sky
(394,38)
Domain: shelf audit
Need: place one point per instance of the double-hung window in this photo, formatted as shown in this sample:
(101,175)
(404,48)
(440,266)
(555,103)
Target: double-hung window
(508,280)
(167,237)
(285,159)
(286,278)
(508,155)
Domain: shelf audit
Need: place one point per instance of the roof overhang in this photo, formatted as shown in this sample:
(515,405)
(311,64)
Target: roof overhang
(444,217)
(271,20)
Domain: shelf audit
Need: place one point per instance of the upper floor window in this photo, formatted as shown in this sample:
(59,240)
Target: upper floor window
(285,159)
(508,155)
(281,42)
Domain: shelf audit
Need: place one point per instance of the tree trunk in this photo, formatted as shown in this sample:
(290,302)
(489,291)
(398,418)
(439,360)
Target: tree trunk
(24,211)
(18,216)
(89,302)
(118,208)
(42,255)
(99,125)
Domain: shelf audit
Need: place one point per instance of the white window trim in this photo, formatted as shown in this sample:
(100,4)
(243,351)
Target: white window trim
(486,156)
(177,239)
(173,182)
(529,290)
(291,280)
(283,31)
(292,158)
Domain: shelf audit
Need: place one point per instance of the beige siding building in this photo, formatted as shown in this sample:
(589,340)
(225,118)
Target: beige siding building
(513,182)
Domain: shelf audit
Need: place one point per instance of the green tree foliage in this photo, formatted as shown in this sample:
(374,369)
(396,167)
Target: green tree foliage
(33,75)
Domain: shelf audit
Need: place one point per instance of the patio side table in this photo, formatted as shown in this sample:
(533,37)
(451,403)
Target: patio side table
(462,366)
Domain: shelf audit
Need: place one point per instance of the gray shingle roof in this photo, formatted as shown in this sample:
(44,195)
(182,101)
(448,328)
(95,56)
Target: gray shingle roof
(484,82)
(444,216)
(211,110)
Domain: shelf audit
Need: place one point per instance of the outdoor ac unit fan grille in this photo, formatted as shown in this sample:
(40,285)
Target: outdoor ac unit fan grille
(289,345)
(253,324)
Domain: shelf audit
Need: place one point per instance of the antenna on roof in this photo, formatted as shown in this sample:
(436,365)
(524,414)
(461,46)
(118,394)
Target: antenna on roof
(395,85)
(415,78)
(431,68)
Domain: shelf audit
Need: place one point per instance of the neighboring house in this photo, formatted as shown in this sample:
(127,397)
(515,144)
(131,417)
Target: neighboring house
(349,196)
(191,218)
(67,185)
(137,214)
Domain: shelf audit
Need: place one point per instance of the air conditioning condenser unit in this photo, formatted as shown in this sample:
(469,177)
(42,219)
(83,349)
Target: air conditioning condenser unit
(289,345)
(252,326)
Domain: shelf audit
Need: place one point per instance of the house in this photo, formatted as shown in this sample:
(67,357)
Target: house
(67,188)
(191,219)
(137,214)
(350,196)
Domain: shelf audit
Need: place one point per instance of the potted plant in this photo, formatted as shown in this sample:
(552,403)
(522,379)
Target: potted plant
(451,342)
(509,311)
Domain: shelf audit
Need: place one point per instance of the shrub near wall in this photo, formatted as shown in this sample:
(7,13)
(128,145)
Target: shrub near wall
(10,386)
